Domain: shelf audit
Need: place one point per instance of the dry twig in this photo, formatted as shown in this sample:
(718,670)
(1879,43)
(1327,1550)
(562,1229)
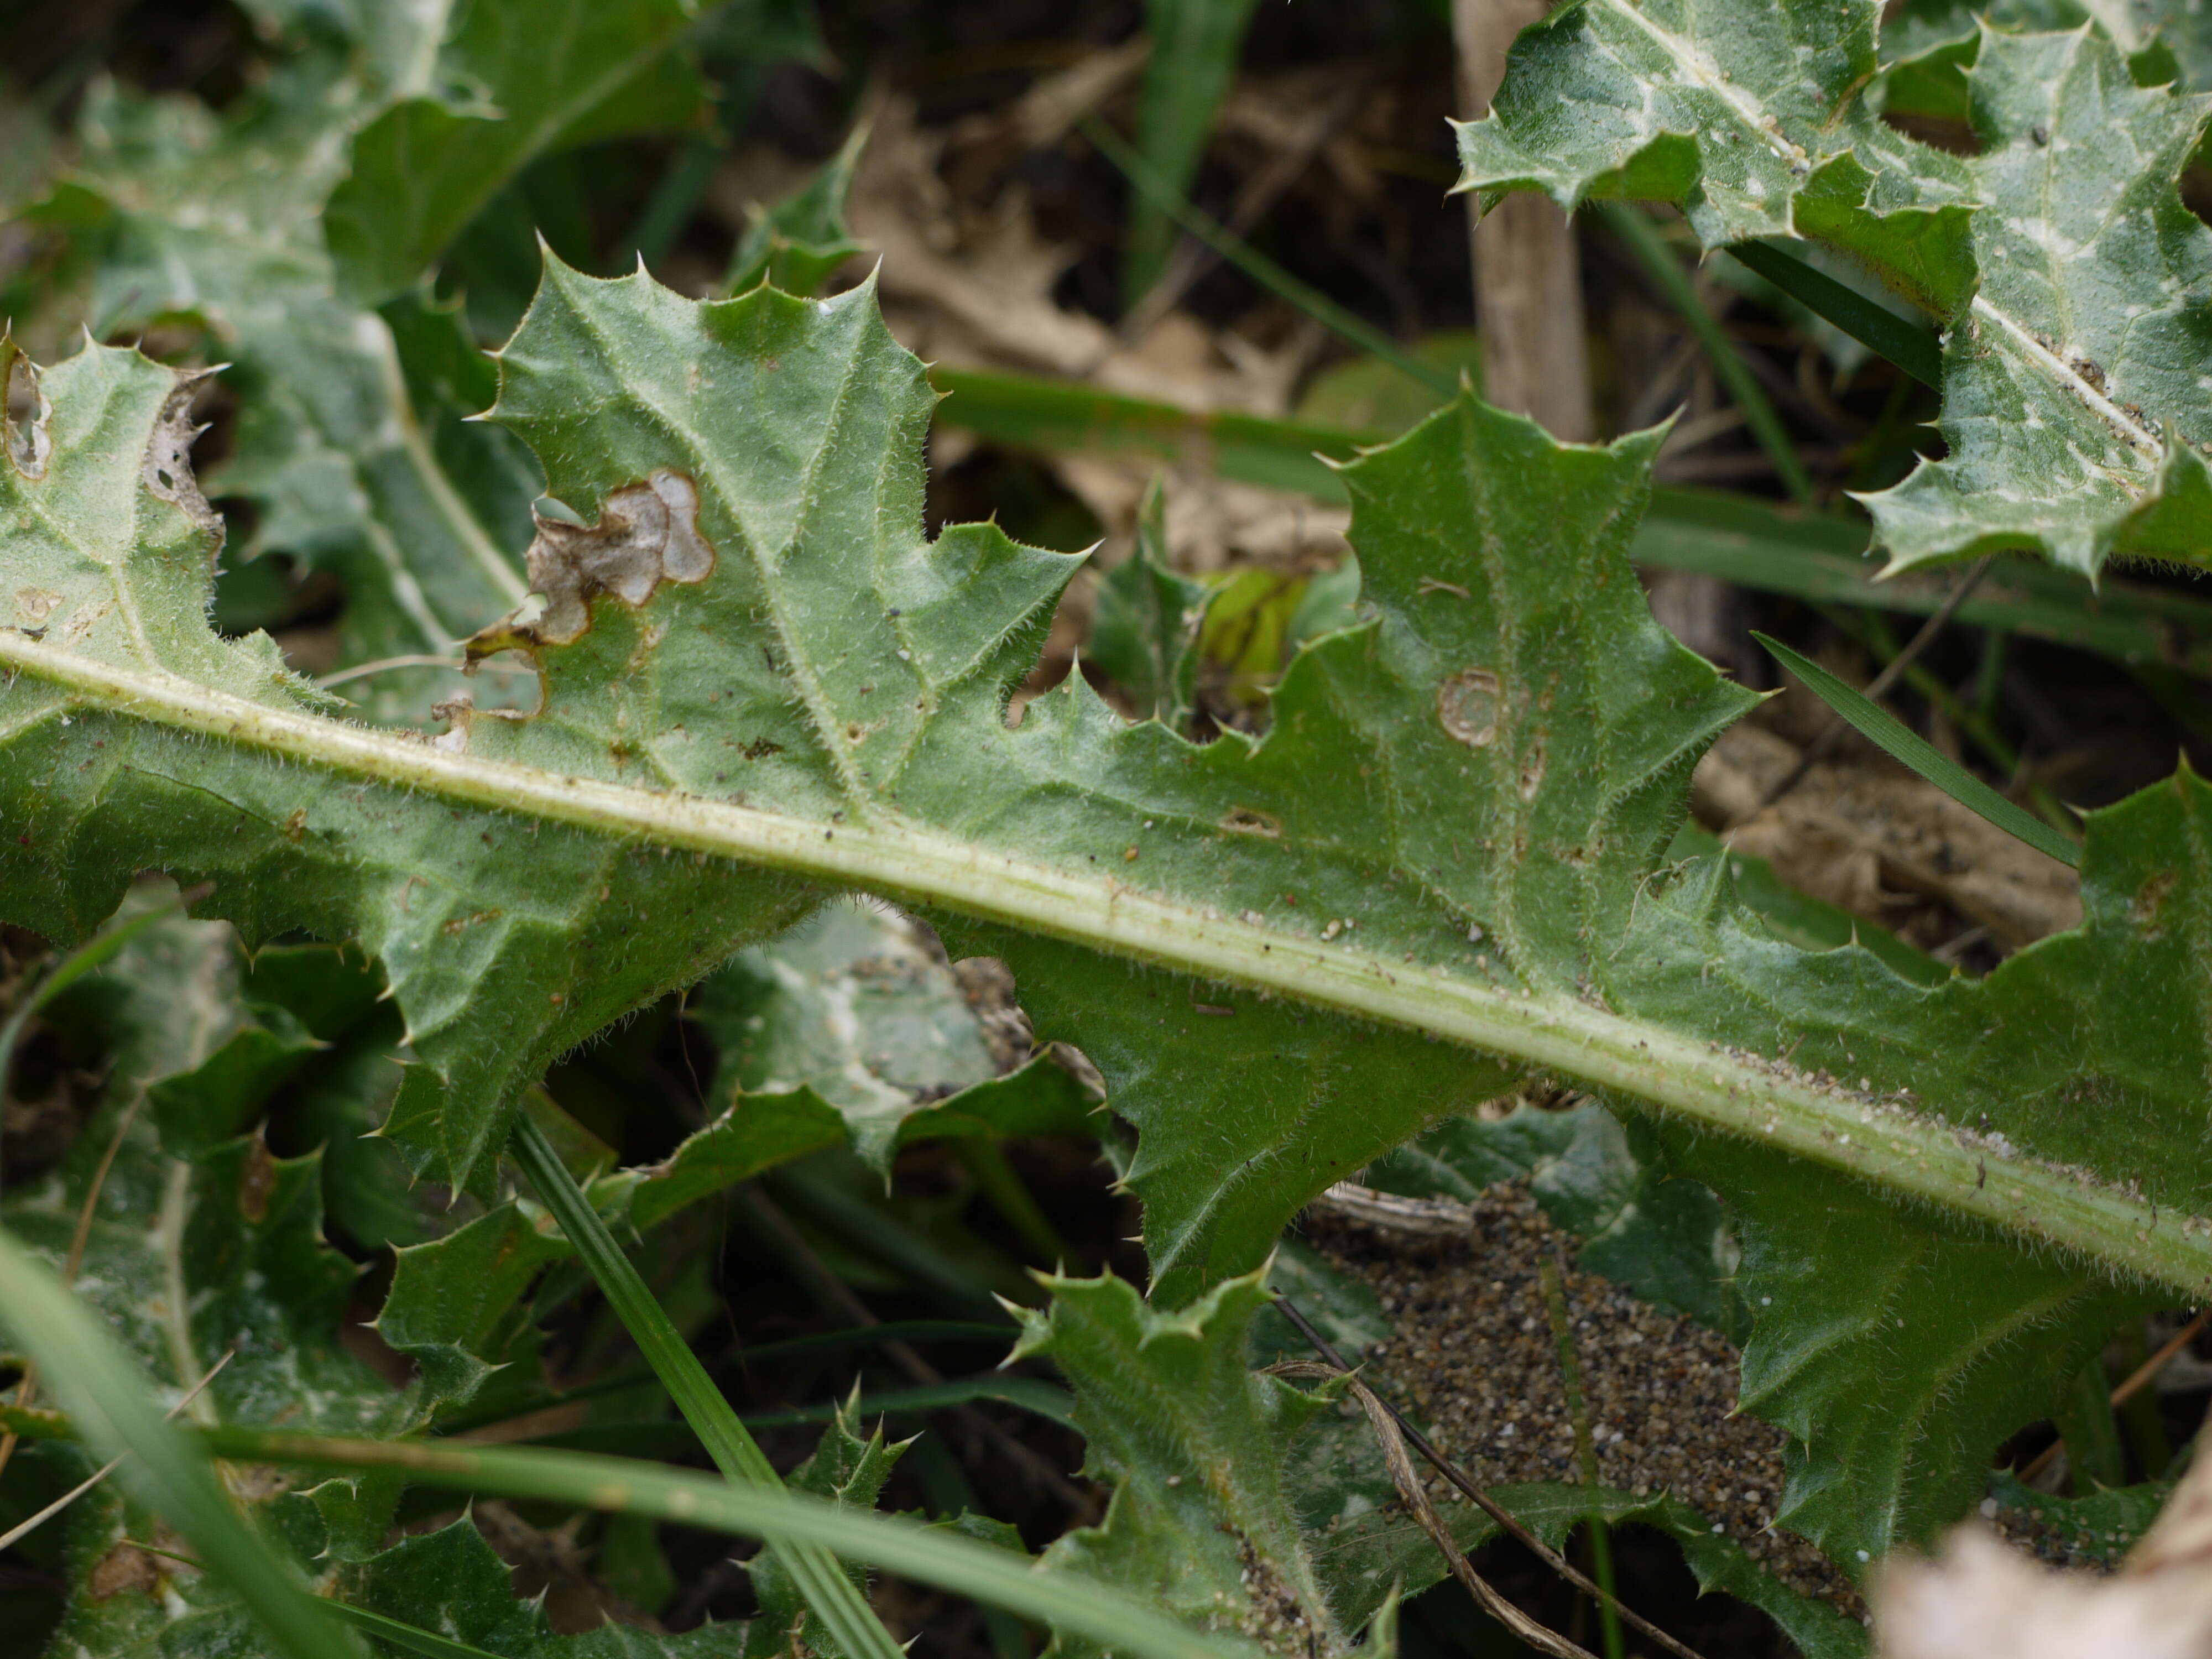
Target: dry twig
(2128,1389)
(1403,1475)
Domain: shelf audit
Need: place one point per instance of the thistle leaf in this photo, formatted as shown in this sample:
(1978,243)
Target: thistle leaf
(508,83)
(2072,401)
(217,1259)
(1193,1444)
(1752,121)
(450,1584)
(1445,864)
(2071,275)
(1145,631)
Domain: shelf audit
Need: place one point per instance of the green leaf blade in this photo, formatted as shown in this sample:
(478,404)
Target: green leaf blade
(1200,1524)
(535,77)
(1897,741)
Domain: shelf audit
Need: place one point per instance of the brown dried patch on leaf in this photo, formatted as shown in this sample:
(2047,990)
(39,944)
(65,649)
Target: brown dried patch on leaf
(989,985)
(126,1567)
(28,412)
(257,1181)
(1467,705)
(35,604)
(648,534)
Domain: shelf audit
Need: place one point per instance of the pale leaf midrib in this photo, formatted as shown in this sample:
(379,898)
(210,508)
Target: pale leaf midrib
(1695,69)
(1905,1152)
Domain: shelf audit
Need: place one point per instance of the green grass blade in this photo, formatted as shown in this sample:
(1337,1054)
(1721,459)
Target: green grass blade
(844,1612)
(1065,1602)
(1887,733)
(662,1437)
(413,1637)
(967,1333)
(1649,247)
(1039,412)
(1914,349)
(1255,265)
(1026,1393)
(108,1401)
(1195,45)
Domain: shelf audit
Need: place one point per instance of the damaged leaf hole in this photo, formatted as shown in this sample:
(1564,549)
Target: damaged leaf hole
(648,534)
(28,443)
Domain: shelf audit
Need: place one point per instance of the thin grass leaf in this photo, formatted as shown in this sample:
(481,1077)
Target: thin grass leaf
(412,1638)
(1887,733)
(1915,349)
(840,1607)
(664,1439)
(1658,259)
(1041,1399)
(925,1555)
(107,1398)
(1194,49)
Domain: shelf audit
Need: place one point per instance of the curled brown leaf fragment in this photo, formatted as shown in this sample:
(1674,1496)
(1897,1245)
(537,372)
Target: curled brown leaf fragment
(648,534)
(1980,1597)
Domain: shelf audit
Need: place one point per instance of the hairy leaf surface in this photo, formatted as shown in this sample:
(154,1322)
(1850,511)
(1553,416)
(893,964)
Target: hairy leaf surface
(389,126)
(215,220)
(1749,117)
(2074,402)
(758,674)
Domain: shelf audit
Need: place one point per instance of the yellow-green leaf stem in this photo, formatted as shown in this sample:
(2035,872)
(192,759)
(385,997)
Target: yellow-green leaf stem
(1891,1142)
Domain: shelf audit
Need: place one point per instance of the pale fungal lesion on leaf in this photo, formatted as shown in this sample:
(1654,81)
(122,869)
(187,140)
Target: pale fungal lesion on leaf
(1467,704)
(1251,821)
(648,534)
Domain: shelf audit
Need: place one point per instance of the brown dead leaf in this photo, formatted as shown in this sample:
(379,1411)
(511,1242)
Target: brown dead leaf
(1869,836)
(1212,523)
(1979,1598)
(1048,111)
(973,286)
